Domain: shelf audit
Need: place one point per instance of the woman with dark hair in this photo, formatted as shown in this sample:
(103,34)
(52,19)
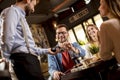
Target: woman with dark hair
(110,29)
(110,33)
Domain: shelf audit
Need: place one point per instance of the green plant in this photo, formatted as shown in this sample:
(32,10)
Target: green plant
(94,49)
(81,42)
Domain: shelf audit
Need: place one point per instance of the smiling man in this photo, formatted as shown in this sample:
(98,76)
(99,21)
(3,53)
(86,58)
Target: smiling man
(63,61)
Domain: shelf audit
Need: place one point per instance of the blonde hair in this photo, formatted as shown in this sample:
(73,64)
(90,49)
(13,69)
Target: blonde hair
(89,25)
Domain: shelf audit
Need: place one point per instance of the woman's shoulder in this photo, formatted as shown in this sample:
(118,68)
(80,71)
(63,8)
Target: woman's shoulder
(113,21)
(110,22)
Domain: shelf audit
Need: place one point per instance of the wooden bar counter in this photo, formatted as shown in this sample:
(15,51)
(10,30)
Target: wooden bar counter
(95,71)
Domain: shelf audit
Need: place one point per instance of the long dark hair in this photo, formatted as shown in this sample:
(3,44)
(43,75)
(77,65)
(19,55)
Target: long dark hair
(114,7)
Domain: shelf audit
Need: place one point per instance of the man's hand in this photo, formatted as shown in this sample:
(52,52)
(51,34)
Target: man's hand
(57,74)
(53,52)
(69,46)
(2,60)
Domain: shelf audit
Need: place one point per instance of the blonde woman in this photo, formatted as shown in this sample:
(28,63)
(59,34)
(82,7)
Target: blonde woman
(93,35)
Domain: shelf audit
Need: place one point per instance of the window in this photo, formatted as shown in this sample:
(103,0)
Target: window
(98,20)
(90,21)
(71,36)
(80,33)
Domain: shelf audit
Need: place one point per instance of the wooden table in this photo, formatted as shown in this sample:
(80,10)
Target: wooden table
(93,72)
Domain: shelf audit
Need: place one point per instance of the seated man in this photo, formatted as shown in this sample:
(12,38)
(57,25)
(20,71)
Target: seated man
(62,62)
